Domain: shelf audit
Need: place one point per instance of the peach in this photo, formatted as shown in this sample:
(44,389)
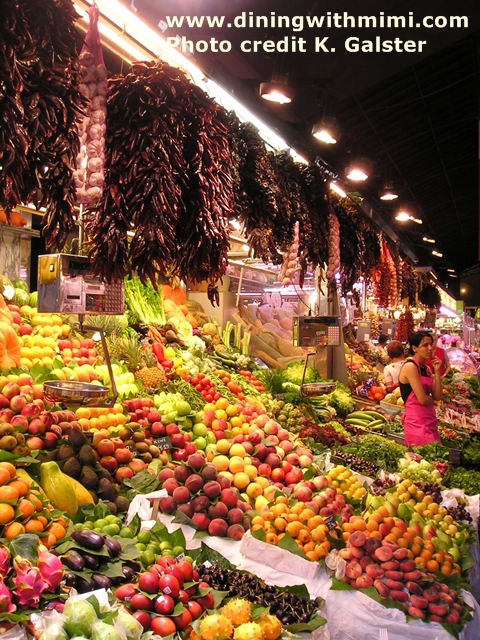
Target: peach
(391,565)
(224,481)
(371,545)
(383,554)
(194,483)
(170,485)
(394,584)
(181,495)
(365,561)
(200,503)
(353,570)
(186,508)
(345,553)
(414,588)
(412,575)
(212,489)
(357,539)
(217,527)
(235,531)
(453,617)
(418,601)
(17,403)
(167,505)
(209,472)
(416,613)
(201,521)
(439,610)
(165,474)
(10,390)
(181,473)
(219,510)
(400,554)
(235,516)
(407,565)
(382,589)
(384,529)
(394,575)
(374,571)
(363,582)
(398,595)
(357,552)
(196,461)
(431,594)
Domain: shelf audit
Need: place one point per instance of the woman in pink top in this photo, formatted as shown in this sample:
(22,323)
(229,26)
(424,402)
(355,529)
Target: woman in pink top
(440,352)
(419,391)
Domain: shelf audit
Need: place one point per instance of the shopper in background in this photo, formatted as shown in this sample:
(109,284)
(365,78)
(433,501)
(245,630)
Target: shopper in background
(440,352)
(419,391)
(382,342)
(396,354)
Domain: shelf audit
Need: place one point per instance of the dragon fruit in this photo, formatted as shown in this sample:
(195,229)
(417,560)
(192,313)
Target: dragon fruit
(51,568)
(6,604)
(29,583)
(4,561)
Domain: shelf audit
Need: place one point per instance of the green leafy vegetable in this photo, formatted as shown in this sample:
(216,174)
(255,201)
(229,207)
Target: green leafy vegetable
(294,373)
(342,401)
(144,302)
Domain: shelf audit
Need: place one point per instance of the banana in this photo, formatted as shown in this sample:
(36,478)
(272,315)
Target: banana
(356,422)
(376,416)
(375,425)
(363,415)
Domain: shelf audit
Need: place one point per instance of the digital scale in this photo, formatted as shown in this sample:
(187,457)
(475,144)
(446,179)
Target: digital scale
(66,285)
(318,331)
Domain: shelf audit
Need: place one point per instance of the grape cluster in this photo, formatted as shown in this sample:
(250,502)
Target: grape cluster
(431,489)
(380,485)
(360,465)
(460,514)
(288,607)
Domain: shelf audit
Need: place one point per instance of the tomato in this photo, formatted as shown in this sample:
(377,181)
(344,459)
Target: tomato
(226,379)
(201,376)
(205,383)
(217,396)
(234,388)
(199,387)
(194,380)
(208,397)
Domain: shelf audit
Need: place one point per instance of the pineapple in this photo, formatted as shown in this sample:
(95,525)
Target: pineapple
(141,362)
(151,375)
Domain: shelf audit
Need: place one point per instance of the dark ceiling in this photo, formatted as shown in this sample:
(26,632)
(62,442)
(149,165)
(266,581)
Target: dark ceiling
(415,114)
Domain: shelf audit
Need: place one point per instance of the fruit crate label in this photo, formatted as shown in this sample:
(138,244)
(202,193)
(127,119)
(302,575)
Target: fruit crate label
(330,522)
(163,443)
(133,449)
(279,396)
(180,557)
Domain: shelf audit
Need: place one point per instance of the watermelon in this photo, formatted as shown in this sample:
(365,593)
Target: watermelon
(33,299)
(20,297)
(20,284)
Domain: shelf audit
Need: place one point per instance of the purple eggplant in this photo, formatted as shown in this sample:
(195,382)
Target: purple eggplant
(88,539)
(128,572)
(113,546)
(91,561)
(101,582)
(84,586)
(73,560)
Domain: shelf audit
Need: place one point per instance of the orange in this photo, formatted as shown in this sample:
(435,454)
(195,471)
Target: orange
(271,538)
(420,560)
(294,528)
(446,569)
(314,522)
(372,525)
(33,525)
(359,525)
(10,468)
(402,543)
(348,527)
(4,476)
(318,534)
(346,536)
(20,485)
(26,508)
(376,534)
(57,530)
(7,513)
(49,540)
(433,566)
(376,517)
(304,537)
(426,554)
(280,524)
(383,511)
(35,501)
(8,493)
(13,530)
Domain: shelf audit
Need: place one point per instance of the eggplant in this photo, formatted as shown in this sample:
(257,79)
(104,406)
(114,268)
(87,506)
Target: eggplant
(113,546)
(88,539)
(73,560)
(133,565)
(128,572)
(84,586)
(70,578)
(101,582)
(91,561)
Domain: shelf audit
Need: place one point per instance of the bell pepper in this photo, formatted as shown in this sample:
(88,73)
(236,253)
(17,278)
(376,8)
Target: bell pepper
(167,364)
(158,351)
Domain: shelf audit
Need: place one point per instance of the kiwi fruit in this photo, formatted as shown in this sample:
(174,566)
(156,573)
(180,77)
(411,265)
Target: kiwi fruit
(86,456)
(106,490)
(72,468)
(65,451)
(77,439)
(88,478)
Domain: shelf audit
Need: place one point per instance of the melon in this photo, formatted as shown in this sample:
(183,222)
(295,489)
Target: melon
(390,398)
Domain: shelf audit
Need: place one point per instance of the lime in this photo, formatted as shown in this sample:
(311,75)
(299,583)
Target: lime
(189,559)
(99,524)
(165,545)
(200,443)
(111,519)
(141,547)
(85,525)
(154,546)
(144,537)
(168,552)
(117,521)
(147,558)
(126,533)
(177,551)
(112,530)
(79,525)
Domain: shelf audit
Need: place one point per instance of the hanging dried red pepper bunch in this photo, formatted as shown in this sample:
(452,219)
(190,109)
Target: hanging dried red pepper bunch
(409,281)
(40,105)
(405,326)
(383,284)
(313,221)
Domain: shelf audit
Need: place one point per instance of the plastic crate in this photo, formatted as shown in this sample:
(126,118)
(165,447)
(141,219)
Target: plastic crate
(455,456)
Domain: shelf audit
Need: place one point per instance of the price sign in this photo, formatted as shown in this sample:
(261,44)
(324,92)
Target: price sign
(330,522)
(163,443)
(133,449)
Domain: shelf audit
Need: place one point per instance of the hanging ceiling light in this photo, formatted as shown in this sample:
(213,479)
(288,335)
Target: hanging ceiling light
(358,170)
(338,190)
(327,130)
(425,239)
(388,192)
(277,91)
(403,216)
(437,253)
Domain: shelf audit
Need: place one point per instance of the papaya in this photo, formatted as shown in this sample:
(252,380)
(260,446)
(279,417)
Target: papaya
(23,475)
(58,489)
(83,496)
